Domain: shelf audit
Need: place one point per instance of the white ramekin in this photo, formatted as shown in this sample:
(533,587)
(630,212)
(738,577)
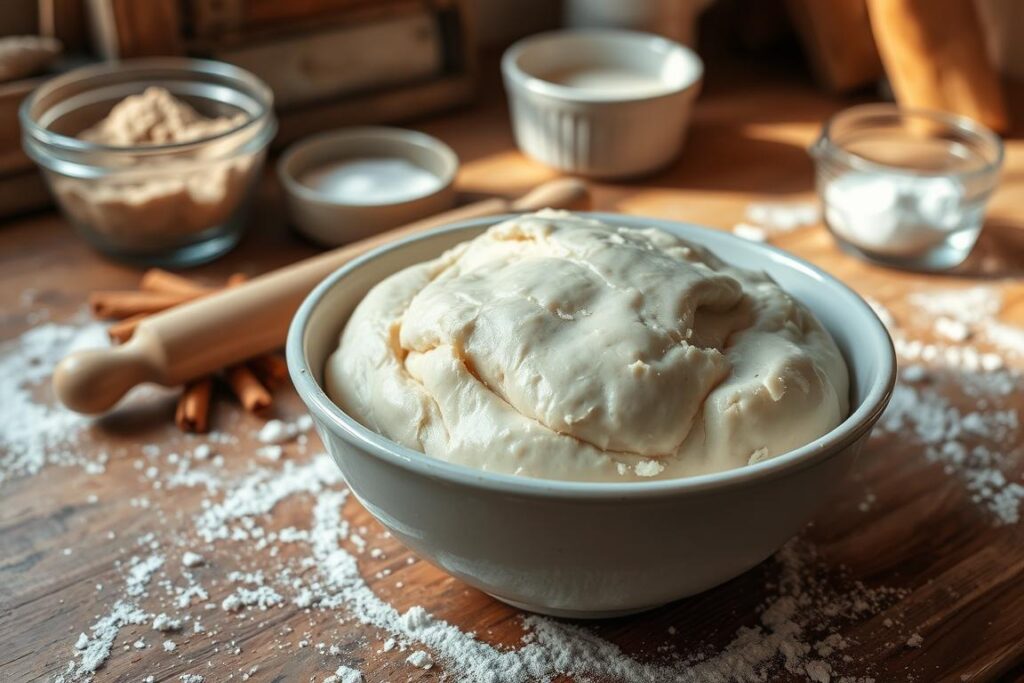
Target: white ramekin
(592,549)
(601,134)
(331,221)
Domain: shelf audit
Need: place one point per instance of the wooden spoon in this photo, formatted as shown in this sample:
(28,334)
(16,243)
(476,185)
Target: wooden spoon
(200,337)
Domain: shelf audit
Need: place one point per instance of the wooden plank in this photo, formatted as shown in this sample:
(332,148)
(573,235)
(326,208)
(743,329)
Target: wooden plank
(64,20)
(955,575)
(135,28)
(935,57)
(837,38)
(407,103)
(335,62)
(232,23)
(211,19)
(19,17)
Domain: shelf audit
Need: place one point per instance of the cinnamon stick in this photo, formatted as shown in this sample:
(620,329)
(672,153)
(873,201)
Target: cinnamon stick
(251,393)
(122,331)
(158,280)
(270,368)
(193,411)
(116,305)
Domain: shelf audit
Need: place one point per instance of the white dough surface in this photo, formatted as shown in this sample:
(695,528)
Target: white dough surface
(560,347)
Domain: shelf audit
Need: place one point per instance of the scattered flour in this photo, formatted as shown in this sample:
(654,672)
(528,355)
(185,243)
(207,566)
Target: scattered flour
(191,559)
(345,674)
(794,632)
(162,622)
(278,431)
(420,659)
(35,433)
(750,232)
(765,219)
(783,216)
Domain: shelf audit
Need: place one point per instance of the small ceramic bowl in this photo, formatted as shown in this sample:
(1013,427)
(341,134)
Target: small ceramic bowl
(581,549)
(331,219)
(601,102)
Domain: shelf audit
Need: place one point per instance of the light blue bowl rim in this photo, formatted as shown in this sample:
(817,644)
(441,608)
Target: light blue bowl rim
(874,337)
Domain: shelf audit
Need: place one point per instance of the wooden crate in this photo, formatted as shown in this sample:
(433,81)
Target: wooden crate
(329,62)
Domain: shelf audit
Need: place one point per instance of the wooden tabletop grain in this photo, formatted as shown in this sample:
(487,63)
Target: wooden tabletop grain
(899,521)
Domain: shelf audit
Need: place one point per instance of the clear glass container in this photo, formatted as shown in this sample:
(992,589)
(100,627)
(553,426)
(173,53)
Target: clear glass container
(906,188)
(161,204)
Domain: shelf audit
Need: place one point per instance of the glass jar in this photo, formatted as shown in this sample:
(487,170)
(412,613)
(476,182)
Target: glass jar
(906,188)
(173,204)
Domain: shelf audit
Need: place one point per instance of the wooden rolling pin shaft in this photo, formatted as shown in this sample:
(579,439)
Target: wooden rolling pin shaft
(200,337)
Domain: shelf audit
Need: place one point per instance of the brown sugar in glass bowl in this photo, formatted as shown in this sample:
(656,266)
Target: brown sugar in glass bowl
(174,198)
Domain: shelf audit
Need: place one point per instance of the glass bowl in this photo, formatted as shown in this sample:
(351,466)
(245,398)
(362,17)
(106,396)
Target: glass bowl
(171,204)
(905,187)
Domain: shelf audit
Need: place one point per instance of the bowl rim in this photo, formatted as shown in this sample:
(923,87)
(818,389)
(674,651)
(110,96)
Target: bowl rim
(405,136)
(827,145)
(517,75)
(848,432)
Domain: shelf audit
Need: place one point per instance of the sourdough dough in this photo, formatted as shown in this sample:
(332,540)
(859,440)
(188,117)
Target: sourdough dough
(557,346)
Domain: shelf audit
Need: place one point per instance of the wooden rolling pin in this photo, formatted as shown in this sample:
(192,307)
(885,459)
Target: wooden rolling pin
(200,337)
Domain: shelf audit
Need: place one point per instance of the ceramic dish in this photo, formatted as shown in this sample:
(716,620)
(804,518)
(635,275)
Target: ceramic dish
(330,220)
(592,549)
(629,117)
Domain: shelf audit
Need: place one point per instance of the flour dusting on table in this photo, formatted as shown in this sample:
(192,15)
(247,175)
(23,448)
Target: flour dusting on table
(193,590)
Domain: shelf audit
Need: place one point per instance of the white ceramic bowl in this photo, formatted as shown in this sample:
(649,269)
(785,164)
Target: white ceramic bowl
(592,549)
(602,130)
(331,221)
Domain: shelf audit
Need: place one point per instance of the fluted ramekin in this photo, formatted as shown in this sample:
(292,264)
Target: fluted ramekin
(586,549)
(594,131)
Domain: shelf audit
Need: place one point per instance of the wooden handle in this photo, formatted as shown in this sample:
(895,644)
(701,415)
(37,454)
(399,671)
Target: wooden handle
(934,55)
(202,336)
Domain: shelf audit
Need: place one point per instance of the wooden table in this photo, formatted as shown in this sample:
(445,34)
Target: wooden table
(899,522)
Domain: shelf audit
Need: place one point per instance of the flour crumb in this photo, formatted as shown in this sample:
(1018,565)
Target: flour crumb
(191,559)
(191,678)
(279,431)
(750,232)
(162,622)
(818,671)
(420,659)
(783,216)
(648,468)
(170,646)
(345,674)
(915,640)
(954,330)
(272,452)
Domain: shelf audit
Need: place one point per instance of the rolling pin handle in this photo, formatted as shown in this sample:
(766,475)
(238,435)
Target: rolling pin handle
(92,381)
(564,193)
